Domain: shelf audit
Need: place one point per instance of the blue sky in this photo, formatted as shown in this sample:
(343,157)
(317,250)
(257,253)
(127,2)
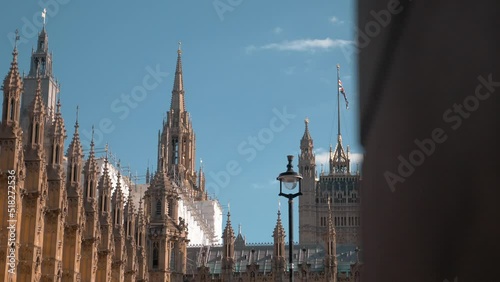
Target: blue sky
(243,61)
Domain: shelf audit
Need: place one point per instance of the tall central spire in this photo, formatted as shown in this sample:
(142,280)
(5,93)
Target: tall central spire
(177,103)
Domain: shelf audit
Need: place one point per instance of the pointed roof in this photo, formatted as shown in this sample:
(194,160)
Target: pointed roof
(279,231)
(177,102)
(130,202)
(306,143)
(43,37)
(240,239)
(228,231)
(140,213)
(13,78)
(37,105)
(105,180)
(118,194)
(59,127)
(307,135)
(75,146)
(91,164)
(339,160)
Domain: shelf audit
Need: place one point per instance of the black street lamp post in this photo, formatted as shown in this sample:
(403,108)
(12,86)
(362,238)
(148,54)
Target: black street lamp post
(290,179)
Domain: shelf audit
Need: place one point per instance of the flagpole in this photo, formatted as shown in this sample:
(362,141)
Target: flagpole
(338,99)
(338,113)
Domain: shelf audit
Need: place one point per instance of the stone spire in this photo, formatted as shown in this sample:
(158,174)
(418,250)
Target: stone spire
(12,91)
(177,103)
(228,264)
(106,246)
(91,179)
(330,247)
(57,198)
(119,254)
(177,141)
(307,136)
(104,189)
(279,254)
(75,146)
(92,233)
(130,243)
(279,231)
(75,220)
(40,68)
(37,118)
(307,203)
(58,135)
(228,234)
(140,241)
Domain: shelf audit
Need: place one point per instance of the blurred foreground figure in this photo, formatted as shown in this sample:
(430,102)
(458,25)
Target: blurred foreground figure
(429,75)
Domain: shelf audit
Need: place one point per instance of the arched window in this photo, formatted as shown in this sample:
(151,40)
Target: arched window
(12,109)
(37,129)
(118,216)
(158,207)
(56,159)
(73,173)
(91,189)
(156,255)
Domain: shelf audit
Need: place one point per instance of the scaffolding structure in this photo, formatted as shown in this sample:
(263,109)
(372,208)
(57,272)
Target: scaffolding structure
(194,208)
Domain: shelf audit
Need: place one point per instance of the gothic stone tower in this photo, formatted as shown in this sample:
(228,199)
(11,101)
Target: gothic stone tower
(56,207)
(307,202)
(91,235)
(343,187)
(106,244)
(41,64)
(140,239)
(34,194)
(279,254)
(75,219)
(167,232)
(228,262)
(129,226)
(11,171)
(119,254)
(177,144)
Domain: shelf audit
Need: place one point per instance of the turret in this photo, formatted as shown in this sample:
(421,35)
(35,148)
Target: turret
(279,254)
(330,244)
(307,202)
(75,219)
(130,243)
(12,90)
(119,254)
(228,262)
(106,245)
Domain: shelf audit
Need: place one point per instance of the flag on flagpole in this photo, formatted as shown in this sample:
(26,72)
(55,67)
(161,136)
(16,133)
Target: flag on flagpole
(44,14)
(341,89)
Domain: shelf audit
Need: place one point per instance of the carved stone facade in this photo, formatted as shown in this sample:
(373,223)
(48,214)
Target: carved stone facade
(74,228)
(339,184)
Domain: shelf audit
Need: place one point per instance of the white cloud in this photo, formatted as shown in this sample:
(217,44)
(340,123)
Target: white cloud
(302,45)
(277,30)
(336,20)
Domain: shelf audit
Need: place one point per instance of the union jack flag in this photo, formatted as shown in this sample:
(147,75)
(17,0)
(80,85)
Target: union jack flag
(341,89)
